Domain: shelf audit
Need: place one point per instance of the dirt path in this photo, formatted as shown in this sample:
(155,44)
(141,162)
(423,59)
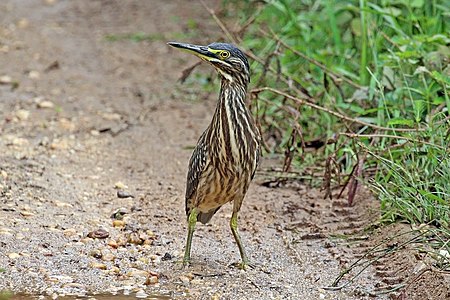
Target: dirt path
(89,113)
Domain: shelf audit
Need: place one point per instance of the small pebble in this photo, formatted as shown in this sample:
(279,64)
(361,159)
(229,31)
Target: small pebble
(143,259)
(119,213)
(167,256)
(63,204)
(120,186)
(26,213)
(141,294)
(112,243)
(96,265)
(135,239)
(118,223)
(5,231)
(138,273)
(122,240)
(107,255)
(215,297)
(59,144)
(95,132)
(86,240)
(5,79)
(151,280)
(23,23)
(184,279)
(98,234)
(96,253)
(151,234)
(124,194)
(34,75)
(13,255)
(22,114)
(138,276)
(69,232)
(45,104)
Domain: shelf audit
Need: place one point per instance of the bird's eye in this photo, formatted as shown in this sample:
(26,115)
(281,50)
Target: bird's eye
(224,54)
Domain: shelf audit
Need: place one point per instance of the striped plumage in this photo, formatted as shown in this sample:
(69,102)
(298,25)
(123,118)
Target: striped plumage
(227,153)
(226,156)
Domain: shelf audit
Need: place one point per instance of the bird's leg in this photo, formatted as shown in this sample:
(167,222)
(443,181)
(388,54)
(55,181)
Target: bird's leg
(192,220)
(234,228)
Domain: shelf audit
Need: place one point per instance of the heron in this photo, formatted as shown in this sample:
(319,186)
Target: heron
(225,159)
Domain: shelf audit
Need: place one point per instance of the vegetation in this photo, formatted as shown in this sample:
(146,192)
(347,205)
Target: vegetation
(360,88)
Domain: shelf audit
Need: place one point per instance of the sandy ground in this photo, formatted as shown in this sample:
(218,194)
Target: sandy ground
(82,115)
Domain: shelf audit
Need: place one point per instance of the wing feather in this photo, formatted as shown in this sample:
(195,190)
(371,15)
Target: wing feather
(197,165)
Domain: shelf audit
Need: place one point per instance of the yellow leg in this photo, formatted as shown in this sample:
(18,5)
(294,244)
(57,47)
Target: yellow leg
(234,228)
(192,220)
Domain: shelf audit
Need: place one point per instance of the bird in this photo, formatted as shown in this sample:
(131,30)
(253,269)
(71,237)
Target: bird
(227,154)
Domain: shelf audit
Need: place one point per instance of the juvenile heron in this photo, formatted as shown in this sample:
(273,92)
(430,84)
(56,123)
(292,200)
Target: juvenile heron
(226,156)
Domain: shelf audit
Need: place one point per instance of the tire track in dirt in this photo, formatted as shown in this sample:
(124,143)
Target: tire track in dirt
(402,274)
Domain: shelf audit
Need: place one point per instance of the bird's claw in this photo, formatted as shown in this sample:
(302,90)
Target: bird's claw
(244,265)
(184,263)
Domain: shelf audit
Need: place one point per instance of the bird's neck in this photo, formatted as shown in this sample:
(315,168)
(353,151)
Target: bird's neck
(232,131)
(232,93)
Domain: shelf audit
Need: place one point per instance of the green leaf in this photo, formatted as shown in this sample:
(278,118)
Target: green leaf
(356,26)
(417,3)
(438,100)
(441,77)
(399,121)
(394,11)
(352,107)
(431,196)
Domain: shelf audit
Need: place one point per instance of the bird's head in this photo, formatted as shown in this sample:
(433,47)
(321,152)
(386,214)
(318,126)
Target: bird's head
(229,61)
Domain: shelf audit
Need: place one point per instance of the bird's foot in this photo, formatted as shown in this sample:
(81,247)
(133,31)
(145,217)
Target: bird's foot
(244,265)
(186,263)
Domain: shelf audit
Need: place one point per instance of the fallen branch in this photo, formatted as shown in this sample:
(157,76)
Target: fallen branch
(354,135)
(331,112)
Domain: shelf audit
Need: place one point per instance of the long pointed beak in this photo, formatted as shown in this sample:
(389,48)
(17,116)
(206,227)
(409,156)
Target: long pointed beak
(200,51)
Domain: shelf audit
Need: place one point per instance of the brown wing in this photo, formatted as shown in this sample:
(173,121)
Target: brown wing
(258,151)
(258,155)
(197,165)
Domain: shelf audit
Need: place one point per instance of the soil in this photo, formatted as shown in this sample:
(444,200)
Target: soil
(90,108)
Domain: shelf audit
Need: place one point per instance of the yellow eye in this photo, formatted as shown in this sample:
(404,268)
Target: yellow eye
(224,54)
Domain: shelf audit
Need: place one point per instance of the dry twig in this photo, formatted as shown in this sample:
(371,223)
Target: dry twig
(338,115)
(354,135)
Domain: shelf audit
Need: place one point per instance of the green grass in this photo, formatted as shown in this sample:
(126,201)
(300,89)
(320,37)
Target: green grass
(383,65)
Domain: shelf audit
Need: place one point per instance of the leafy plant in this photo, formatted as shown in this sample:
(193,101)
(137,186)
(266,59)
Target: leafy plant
(359,88)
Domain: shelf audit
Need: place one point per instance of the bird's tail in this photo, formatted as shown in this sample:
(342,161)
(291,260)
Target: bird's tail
(205,217)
